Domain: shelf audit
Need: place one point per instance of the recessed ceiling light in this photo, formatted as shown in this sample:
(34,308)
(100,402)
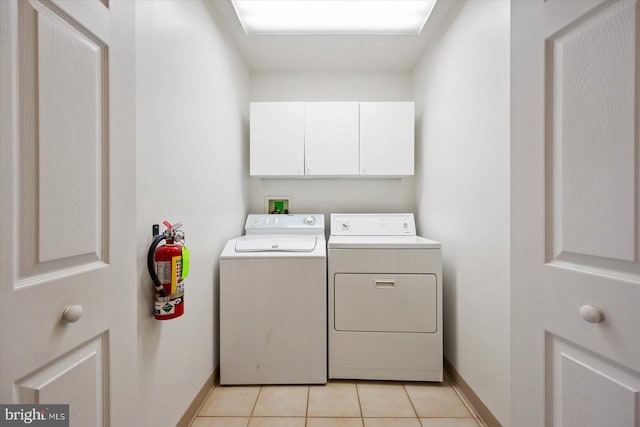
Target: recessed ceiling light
(333,16)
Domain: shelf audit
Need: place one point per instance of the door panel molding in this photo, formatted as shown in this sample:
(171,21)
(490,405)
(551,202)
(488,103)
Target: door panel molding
(577,377)
(65,233)
(592,143)
(84,370)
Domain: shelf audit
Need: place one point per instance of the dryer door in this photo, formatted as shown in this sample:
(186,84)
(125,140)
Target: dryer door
(385,302)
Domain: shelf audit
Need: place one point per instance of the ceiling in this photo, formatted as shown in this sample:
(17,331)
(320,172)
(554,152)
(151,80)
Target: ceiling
(328,52)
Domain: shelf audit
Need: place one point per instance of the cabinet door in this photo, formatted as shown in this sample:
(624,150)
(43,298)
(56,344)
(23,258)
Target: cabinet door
(277,138)
(331,138)
(386,138)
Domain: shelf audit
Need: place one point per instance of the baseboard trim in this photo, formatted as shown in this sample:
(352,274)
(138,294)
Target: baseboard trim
(192,411)
(472,398)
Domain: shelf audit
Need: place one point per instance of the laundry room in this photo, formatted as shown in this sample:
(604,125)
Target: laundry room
(491,206)
(459,191)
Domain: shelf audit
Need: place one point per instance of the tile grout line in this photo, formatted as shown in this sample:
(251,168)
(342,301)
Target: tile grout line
(359,403)
(306,414)
(254,405)
(404,387)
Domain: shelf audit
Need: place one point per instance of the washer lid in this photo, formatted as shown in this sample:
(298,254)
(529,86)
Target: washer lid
(382,242)
(276,243)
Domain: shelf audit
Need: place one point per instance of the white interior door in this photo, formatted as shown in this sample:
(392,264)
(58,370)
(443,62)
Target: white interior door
(67,174)
(575,213)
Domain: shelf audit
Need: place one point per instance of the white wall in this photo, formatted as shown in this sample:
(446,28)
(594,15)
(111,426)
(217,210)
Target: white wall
(462,189)
(192,159)
(333,195)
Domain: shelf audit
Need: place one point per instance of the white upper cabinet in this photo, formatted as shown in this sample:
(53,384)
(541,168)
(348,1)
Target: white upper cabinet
(386,138)
(277,138)
(331,138)
(316,139)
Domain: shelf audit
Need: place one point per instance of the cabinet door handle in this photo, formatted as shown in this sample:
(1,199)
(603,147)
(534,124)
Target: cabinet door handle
(300,165)
(362,163)
(308,164)
(385,284)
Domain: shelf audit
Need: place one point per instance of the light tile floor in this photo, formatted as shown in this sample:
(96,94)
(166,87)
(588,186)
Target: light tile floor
(337,404)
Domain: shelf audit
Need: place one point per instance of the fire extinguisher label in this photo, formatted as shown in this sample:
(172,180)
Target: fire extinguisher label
(170,272)
(164,271)
(165,308)
(176,272)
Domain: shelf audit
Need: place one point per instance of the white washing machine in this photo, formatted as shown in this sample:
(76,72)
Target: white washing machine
(273,302)
(385,299)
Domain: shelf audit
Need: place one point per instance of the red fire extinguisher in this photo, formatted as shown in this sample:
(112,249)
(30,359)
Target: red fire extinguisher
(168,265)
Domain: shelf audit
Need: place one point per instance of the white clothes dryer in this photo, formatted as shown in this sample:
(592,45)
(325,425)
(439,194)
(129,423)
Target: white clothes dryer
(385,299)
(273,302)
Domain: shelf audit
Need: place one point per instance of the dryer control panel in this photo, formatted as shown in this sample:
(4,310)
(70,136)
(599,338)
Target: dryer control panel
(284,224)
(373,225)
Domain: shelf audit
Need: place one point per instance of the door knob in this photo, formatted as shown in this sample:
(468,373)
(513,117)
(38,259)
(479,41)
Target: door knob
(72,314)
(591,314)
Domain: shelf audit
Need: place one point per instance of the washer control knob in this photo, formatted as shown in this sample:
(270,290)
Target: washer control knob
(309,220)
(345,225)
